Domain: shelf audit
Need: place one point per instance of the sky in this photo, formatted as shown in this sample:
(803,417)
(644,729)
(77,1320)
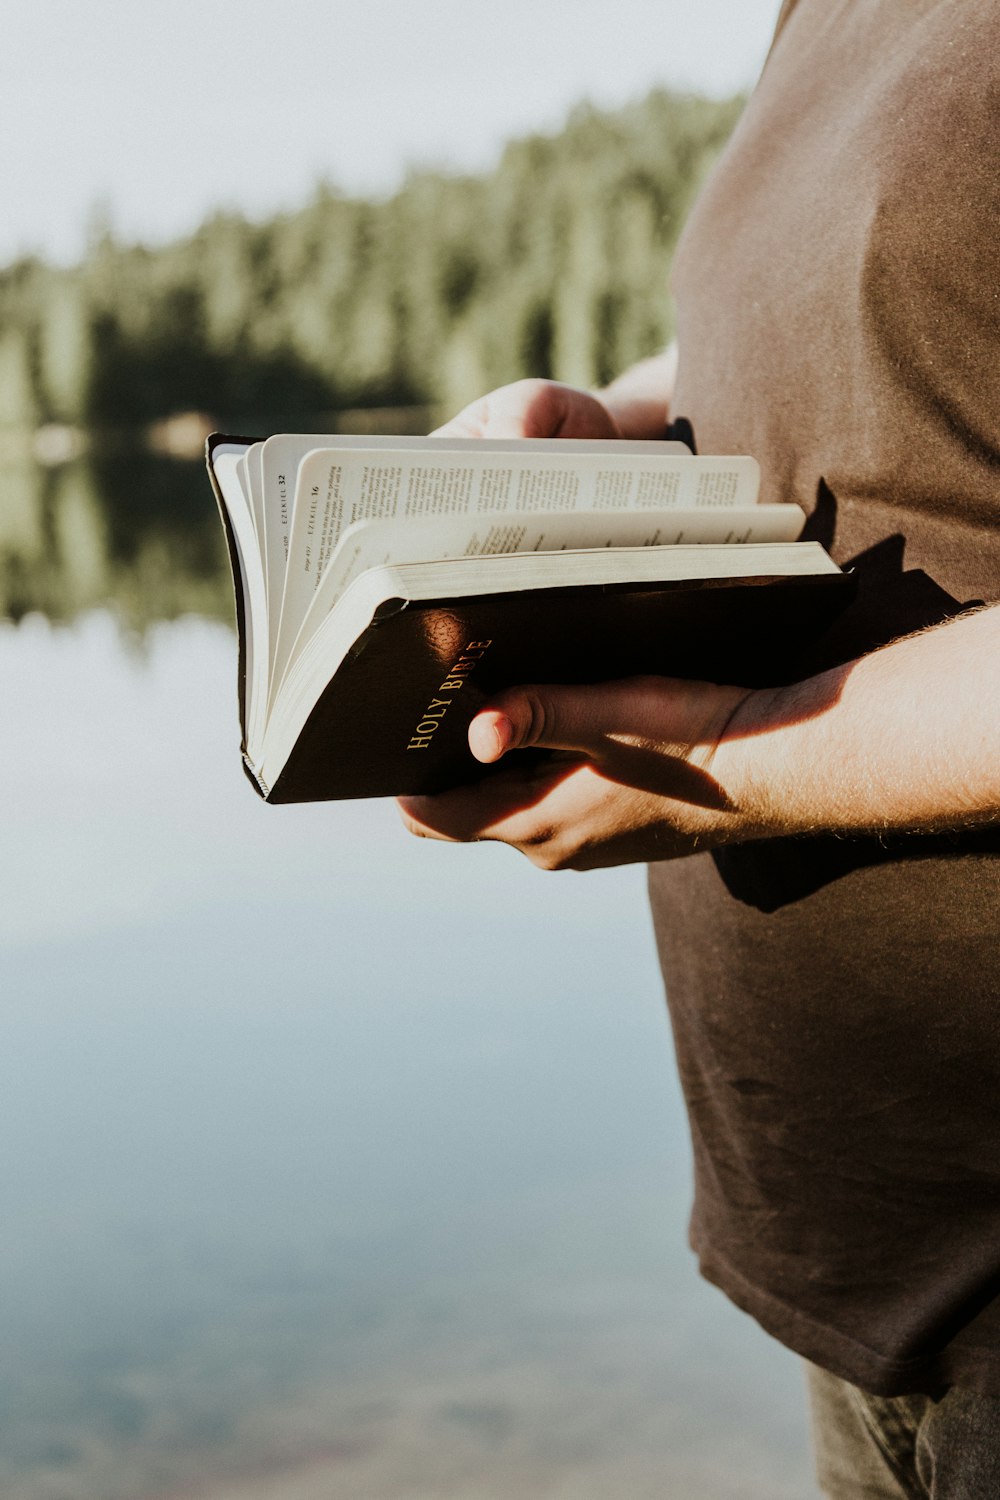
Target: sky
(156,115)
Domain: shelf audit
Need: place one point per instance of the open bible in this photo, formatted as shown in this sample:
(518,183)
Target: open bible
(386,586)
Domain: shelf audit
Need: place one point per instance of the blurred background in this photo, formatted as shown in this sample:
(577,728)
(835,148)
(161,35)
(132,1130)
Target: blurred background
(331,1164)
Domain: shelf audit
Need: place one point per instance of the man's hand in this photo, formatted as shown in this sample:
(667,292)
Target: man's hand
(533,409)
(636,405)
(903,740)
(634,776)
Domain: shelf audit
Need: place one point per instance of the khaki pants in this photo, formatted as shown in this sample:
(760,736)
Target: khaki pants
(903,1447)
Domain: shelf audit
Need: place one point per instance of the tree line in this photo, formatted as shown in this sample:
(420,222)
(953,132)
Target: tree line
(553,263)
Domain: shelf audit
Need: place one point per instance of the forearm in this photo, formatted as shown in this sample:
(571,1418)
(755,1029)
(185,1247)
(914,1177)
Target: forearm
(907,738)
(639,399)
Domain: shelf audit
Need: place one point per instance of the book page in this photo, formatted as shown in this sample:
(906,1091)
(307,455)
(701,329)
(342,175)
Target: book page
(378,543)
(381,543)
(281,454)
(230,470)
(272,531)
(338,487)
(253,496)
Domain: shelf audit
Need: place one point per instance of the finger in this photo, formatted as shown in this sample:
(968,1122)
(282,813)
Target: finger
(469,422)
(533,409)
(519,410)
(651,733)
(559,717)
(486,809)
(581,821)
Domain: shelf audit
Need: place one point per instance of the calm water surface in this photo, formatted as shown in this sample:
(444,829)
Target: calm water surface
(332,1163)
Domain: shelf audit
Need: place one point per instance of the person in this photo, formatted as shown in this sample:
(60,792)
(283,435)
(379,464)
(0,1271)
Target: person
(825,856)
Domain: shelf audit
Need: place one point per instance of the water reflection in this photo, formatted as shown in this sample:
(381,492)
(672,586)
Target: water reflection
(315,1183)
(130,528)
(126,519)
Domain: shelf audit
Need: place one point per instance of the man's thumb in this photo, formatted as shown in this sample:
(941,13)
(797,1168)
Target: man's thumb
(558,718)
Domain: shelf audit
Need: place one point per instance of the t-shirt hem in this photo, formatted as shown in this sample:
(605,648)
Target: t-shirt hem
(972,1368)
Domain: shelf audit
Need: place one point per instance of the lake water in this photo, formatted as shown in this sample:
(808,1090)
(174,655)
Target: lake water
(333,1164)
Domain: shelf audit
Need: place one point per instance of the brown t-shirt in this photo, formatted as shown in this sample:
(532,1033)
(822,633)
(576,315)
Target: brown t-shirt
(836,1003)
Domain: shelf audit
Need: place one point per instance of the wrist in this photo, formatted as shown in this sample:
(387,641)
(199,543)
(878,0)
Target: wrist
(638,401)
(633,417)
(744,764)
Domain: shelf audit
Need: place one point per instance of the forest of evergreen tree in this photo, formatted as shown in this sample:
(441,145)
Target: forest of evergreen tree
(554,263)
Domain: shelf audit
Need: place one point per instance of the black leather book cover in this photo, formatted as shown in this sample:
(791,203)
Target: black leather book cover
(394,718)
